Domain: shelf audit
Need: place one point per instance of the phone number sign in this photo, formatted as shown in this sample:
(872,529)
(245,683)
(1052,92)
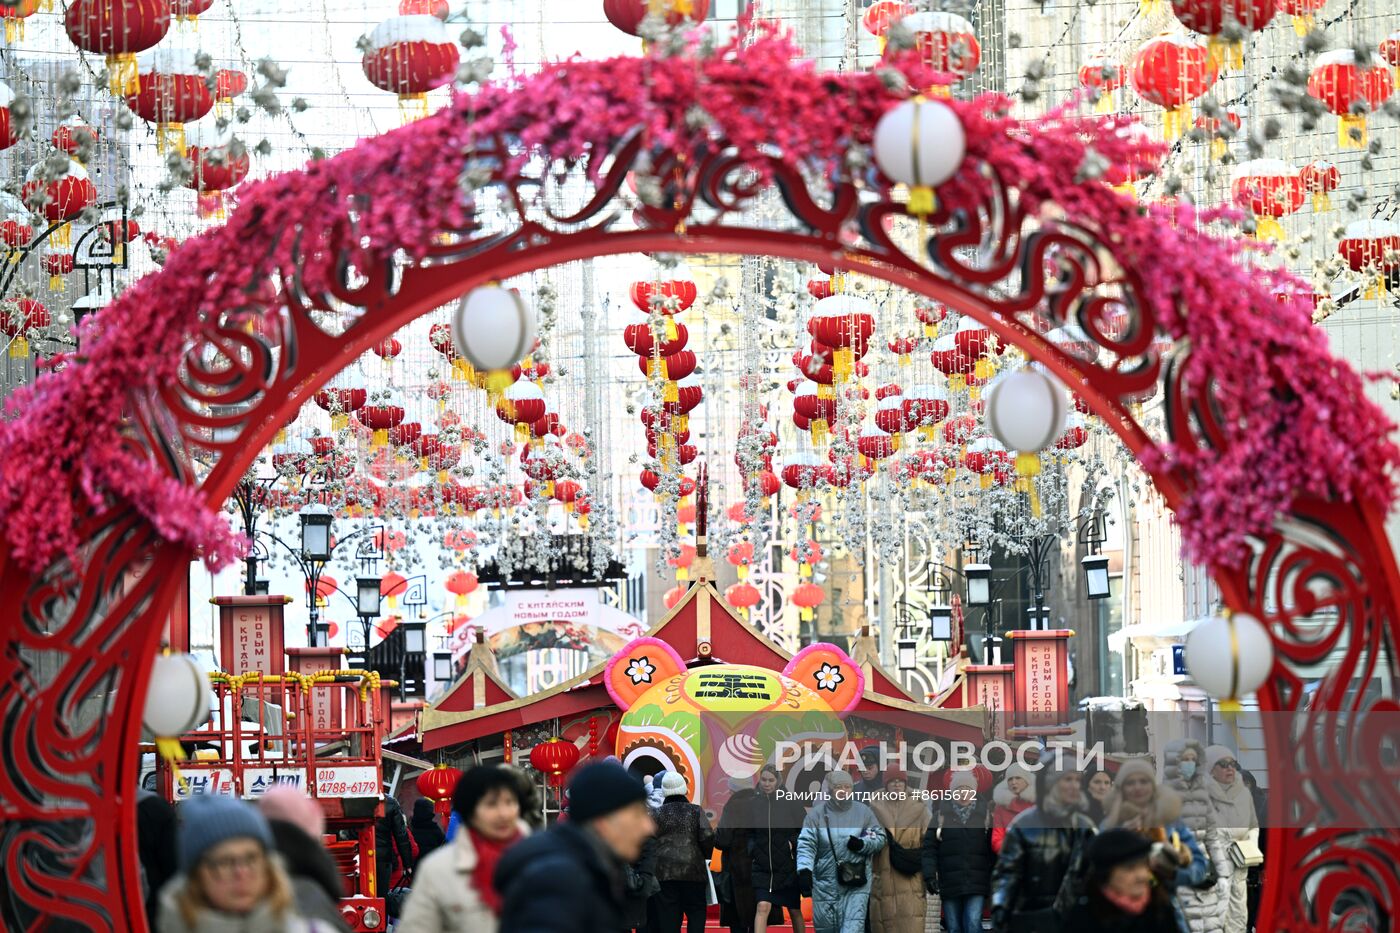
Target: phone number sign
(350,781)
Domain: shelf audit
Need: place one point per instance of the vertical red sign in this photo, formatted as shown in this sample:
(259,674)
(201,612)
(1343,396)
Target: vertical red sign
(989,686)
(250,633)
(1041,691)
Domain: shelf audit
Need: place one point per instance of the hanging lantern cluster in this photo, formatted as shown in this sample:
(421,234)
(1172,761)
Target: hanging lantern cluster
(173,91)
(118,29)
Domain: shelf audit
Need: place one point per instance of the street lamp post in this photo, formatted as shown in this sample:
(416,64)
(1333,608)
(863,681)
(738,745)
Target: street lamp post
(316,524)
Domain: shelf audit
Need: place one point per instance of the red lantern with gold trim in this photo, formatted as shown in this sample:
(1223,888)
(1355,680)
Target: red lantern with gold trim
(554,759)
(437,785)
(1340,83)
(627,15)
(118,29)
(1171,71)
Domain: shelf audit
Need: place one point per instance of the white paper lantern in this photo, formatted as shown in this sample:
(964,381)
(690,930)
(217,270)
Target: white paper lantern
(178,699)
(493,328)
(920,143)
(1026,410)
(1230,657)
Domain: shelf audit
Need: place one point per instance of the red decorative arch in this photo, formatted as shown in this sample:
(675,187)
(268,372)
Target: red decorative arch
(337,259)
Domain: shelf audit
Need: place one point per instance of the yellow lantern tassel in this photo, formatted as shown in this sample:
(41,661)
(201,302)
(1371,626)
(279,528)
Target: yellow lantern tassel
(838,282)
(55,283)
(1151,7)
(1345,125)
(820,431)
(904,359)
(1227,55)
(123,74)
(1376,289)
(461,601)
(941,90)
(682,573)
(1027,468)
(1218,148)
(19,347)
(549,489)
(743,571)
(443,476)
(1175,121)
(669,327)
(804,570)
(825,391)
(172,751)
(522,433)
(930,331)
(984,368)
(583,522)
(461,370)
(681,423)
(844,364)
(339,422)
(14,29)
(957,382)
(412,107)
(170,137)
(921,201)
(1302,25)
(63,235)
(985,480)
(1127,189)
(1268,228)
(1321,201)
(671,393)
(927,433)
(1105,103)
(498,381)
(806,613)
(380,438)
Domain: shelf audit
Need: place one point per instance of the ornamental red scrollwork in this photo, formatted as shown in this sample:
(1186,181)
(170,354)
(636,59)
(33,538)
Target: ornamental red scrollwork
(77,637)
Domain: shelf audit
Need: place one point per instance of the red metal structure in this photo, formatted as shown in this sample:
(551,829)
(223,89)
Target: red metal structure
(75,651)
(320,733)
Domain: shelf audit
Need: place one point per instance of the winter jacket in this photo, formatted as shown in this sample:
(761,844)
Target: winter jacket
(1042,861)
(444,897)
(684,841)
(424,826)
(958,855)
(316,882)
(391,833)
(821,844)
(565,880)
(773,842)
(155,843)
(732,838)
(261,920)
(1161,823)
(1008,807)
(897,900)
(1094,914)
(640,886)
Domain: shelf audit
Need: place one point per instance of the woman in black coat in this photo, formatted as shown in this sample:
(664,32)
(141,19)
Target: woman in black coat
(958,856)
(424,826)
(773,846)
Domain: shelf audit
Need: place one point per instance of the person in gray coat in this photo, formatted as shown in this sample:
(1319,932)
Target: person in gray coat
(839,836)
(1184,770)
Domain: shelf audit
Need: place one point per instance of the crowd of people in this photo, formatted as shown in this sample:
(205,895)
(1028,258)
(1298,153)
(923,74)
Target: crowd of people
(1048,849)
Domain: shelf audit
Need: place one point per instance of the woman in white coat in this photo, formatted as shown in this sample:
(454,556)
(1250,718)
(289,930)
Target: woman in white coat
(1185,772)
(1237,821)
(452,887)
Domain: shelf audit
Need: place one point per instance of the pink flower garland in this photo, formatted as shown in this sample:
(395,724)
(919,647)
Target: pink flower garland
(64,453)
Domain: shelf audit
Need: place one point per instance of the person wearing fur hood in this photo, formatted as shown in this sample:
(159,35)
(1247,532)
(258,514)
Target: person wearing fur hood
(1185,773)
(1140,805)
(1235,816)
(1015,793)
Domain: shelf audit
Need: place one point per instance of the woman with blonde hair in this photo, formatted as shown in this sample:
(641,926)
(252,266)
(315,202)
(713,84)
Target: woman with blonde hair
(230,880)
(897,899)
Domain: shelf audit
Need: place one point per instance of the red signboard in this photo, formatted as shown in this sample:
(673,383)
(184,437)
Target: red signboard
(327,706)
(989,686)
(250,633)
(1041,692)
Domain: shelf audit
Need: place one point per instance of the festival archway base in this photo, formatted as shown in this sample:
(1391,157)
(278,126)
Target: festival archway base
(175,384)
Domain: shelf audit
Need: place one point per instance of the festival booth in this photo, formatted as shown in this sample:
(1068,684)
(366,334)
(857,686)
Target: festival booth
(716,665)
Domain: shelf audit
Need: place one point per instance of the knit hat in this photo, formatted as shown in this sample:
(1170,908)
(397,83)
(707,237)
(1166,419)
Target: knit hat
(962,779)
(1016,770)
(1135,766)
(1218,753)
(1114,847)
(291,805)
(673,785)
(1053,766)
(896,774)
(602,788)
(206,821)
(839,777)
(870,754)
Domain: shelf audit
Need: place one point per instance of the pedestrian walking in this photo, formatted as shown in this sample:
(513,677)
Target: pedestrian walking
(839,837)
(1040,867)
(230,880)
(773,846)
(1201,905)
(1234,814)
(641,889)
(155,845)
(1120,895)
(393,846)
(424,827)
(872,776)
(453,889)
(1098,786)
(298,824)
(1012,797)
(684,843)
(898,901)
(735,884)
(572,878)
(958,857)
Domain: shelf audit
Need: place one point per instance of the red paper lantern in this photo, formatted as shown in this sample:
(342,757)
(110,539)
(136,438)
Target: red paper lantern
(228,84)
(1366,244)
(882,14)
(188,10)
(1321,178)
(673,367)
(461,584)
(1105,76)
(674,595)
(72,133)
(1209,17)
(1304,12)
(15,16)
(57,265)
(20,317)
(410,55)
(627,15)
(1271,188)
(118,29)
(946,42)
(804,472)
(1339,83)
(436,8)
(1390,49)
(876,444)
(680,295)
(387,349)
(554,759)
(742,596)
(437,785)
(65,197)
(1171,71)
(641,341)
(217,168)
(807,597)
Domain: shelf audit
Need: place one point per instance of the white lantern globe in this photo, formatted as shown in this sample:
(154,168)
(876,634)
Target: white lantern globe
(1027,410)
(493,328)
(178,698)
(920,143)
(1229,656)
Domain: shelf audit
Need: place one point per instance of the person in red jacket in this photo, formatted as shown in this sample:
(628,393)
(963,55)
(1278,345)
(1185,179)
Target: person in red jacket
(1015,793)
